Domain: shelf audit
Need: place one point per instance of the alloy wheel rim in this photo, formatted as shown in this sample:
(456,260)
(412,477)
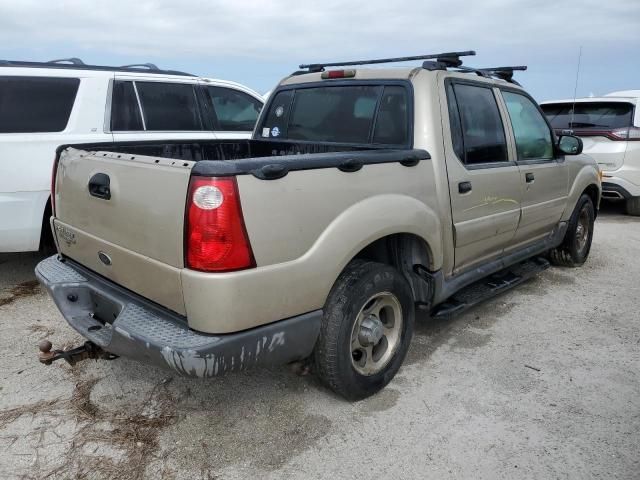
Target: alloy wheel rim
(375,336)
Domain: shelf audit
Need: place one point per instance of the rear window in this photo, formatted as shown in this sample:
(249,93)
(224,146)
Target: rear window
(36,104)
(361,114)
(169,106)
(597,115)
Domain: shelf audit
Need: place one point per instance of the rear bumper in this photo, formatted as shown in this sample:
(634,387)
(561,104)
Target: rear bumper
(127,325)
(613,191)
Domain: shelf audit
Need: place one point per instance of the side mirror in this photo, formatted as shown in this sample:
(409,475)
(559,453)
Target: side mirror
(570,145)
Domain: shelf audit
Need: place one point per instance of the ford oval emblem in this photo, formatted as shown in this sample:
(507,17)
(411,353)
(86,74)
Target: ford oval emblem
(104,258)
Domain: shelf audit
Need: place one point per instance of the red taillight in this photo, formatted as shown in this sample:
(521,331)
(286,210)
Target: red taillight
(630,133)
(53,185)
(216,239)
(338,74)
(618,134)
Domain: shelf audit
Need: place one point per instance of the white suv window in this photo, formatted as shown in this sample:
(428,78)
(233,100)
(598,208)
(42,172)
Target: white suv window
(125,111)
(235,111)
(36,104)
(169,106)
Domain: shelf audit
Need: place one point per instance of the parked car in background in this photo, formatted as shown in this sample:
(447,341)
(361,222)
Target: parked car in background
(44,105)
(610,130)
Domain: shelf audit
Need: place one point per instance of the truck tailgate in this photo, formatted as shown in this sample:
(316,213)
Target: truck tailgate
(134,233)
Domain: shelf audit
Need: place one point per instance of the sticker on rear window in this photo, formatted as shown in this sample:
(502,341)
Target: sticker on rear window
(279,111)
(275,131)
(265,132)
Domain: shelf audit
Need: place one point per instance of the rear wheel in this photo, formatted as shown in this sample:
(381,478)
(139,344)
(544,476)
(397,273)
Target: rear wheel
(576,245)
(633,206)
(366,330)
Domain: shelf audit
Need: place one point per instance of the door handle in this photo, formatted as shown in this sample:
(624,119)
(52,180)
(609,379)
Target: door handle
(464,187)
(529,177)
(99,186)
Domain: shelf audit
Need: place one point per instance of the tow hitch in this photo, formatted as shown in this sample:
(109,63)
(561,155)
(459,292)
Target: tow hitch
(74,355)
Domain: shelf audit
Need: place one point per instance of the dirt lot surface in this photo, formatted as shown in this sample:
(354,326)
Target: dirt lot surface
(467,403)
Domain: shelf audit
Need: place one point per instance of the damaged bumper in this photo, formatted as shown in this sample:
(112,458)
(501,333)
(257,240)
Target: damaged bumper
(124,324)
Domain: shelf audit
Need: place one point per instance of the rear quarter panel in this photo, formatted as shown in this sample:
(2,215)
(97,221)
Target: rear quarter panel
(304,228)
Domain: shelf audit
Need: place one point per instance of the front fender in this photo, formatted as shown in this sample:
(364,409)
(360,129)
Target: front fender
(583,172)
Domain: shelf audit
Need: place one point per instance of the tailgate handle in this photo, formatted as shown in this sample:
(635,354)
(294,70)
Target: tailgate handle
(99,186)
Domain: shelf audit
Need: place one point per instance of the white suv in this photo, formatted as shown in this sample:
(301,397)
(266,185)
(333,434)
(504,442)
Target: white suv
(44,105)
(610,131)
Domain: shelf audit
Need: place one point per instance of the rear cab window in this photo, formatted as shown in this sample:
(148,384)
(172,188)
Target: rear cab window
(589,115)
(351,113)
(36,104)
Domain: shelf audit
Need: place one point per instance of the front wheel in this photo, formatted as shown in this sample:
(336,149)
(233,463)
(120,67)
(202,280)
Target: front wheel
(576,245)
(366,329)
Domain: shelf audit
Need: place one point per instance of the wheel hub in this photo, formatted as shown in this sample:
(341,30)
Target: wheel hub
(371,331)
(376,333)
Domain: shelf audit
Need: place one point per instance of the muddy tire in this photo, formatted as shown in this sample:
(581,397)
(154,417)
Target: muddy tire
(633,206)
(366,330)
(576,245)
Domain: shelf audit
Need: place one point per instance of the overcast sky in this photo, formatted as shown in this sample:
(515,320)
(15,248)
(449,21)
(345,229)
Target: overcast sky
(259,42)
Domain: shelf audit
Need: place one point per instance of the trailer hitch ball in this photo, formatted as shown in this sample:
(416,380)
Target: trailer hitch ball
(46,356)
(45,346)
(86,351)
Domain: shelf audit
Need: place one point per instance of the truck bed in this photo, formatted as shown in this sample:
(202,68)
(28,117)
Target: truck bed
(237,157)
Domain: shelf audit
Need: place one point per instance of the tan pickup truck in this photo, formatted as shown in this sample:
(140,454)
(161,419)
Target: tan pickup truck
(365,194)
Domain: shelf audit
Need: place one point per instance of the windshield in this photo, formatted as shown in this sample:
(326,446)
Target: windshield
(597,115)
(360,114)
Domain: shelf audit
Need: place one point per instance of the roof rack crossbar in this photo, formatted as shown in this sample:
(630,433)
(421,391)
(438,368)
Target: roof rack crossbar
(150,66)
(72,60)
(446,57)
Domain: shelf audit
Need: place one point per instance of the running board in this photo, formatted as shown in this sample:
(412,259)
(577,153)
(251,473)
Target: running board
(489,287)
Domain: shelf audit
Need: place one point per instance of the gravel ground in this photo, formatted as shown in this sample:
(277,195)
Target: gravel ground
(465,405)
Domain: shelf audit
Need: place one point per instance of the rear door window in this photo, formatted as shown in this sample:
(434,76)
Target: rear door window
(169,106)
(125,111)
(359,114)
(36,104)
(474,116)
(586,115)
(235,111)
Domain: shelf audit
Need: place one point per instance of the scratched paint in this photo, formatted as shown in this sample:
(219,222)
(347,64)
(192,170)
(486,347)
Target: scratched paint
(195,364)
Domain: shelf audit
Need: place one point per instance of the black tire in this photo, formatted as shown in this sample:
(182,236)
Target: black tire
(359,282)
(573,252)
(633,206)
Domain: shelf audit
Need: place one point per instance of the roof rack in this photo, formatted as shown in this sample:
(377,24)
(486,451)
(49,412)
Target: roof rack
(448,57)
(72,60)
(503,73)
(150,66)
(443,61)
(75,63)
